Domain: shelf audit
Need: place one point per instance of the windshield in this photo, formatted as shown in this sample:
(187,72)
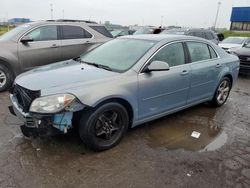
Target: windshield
(115,32)
(118,54)
(12,33)
(234,40)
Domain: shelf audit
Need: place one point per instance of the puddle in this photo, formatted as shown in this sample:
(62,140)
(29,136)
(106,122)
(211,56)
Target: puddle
(175,134)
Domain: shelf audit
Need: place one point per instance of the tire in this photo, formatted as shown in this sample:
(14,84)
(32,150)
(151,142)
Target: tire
(6,78)
(217,100)
(103,127)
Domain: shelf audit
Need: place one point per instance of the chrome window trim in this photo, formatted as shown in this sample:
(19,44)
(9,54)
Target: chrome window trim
(54,24)
(190,40)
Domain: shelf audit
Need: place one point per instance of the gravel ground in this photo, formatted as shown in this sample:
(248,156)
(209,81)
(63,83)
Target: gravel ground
(160,154)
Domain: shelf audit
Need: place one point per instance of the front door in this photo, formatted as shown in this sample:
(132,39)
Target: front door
(44,49)
(162,91)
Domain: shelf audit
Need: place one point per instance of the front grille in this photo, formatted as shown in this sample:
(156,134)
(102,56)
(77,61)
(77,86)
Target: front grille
(244,58)
(25,96)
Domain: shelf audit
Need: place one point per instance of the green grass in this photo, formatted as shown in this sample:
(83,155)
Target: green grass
(3,30)
(233,33)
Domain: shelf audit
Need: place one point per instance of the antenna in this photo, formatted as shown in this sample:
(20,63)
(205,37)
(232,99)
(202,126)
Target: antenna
(51,11)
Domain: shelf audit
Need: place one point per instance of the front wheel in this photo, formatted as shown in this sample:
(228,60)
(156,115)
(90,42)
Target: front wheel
(222,92)
(103,128)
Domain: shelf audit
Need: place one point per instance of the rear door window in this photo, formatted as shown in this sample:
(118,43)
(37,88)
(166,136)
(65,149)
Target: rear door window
(44,33)
(198,51)
(102,30)
(74,32)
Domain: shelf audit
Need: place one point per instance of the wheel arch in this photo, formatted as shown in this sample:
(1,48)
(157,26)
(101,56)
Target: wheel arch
(8,65)
(121,101)
(230,77)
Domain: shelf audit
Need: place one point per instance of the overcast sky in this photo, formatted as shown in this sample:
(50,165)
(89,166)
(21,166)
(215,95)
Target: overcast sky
(190,13)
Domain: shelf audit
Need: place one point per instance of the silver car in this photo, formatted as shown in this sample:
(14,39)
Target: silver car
(122,83)
(40,43)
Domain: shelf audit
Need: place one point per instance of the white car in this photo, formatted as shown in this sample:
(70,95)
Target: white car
(234,43)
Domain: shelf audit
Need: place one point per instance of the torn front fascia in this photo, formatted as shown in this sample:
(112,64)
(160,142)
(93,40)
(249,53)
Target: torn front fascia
(61,121)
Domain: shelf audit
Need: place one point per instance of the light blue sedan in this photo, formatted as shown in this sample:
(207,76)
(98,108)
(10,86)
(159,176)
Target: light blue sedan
(122,83)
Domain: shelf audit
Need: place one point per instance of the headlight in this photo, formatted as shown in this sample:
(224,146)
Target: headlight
(51,104)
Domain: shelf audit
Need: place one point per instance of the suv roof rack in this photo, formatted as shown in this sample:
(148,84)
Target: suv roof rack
(69,20)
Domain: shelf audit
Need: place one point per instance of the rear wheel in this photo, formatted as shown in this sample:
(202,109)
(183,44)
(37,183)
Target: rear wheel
(222,92)
(103,128)
(6,78)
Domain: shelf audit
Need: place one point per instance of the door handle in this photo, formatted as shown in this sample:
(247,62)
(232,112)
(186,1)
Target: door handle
(184,72)
(54,46)
(218,65)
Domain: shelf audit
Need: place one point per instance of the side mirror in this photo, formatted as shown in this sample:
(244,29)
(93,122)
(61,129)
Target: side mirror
(26,39)
(157,66)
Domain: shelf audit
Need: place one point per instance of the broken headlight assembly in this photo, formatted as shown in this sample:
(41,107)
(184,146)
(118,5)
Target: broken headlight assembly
(51,104)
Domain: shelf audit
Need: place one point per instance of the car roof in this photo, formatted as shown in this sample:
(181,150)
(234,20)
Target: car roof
(89,23)
(188,29)
(161,37)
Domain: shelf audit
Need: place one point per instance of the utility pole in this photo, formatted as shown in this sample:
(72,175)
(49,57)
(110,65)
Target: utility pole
(51,11)
(161,21)
(63,13)
(217,13)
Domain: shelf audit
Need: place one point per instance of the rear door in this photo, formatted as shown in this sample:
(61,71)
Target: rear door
(205,66)
(44,49)
(75,41)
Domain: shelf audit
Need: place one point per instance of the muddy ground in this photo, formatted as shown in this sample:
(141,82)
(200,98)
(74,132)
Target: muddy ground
(160,154)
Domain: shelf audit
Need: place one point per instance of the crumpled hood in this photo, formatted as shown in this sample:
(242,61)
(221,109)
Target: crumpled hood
(229,45)
(64,73)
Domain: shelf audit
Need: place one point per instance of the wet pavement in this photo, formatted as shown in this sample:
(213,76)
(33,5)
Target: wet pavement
(161,153)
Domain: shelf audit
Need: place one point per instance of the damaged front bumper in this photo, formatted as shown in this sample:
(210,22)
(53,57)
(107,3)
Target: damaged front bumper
(43,124)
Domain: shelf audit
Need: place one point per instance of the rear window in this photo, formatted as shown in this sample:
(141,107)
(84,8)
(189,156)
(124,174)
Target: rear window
(102,30)
(197,34)
(74,32)
(209,35)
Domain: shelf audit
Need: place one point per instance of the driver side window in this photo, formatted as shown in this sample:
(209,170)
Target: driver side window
(44,33)
(172,54)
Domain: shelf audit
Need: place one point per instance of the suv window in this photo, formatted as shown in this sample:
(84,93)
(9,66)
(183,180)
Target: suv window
(173,54)
(209,35)
(74,32)
(198,51)
(44,33)
(102,30)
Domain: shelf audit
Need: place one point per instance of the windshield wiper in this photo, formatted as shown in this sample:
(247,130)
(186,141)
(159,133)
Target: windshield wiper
(98,65)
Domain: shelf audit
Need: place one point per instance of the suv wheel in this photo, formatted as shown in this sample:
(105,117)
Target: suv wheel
(222,92)
(103,128)
(6,78)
